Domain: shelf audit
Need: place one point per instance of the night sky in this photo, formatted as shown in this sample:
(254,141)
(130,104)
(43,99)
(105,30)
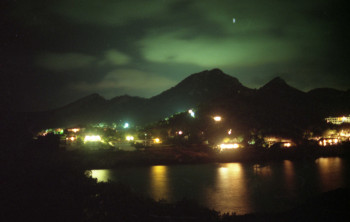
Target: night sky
(56,51)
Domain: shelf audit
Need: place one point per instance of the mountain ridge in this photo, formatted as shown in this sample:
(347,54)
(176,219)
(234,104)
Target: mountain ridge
(209,86)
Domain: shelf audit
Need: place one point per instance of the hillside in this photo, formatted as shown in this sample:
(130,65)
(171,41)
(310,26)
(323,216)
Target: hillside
(275,105)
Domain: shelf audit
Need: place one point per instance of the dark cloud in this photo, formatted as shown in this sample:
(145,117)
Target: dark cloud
(57,51)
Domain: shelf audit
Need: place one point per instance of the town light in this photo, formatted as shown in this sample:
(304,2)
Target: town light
(229,146)
(75,130)
(287,144)
(126,125)
(93,138)
(180,132)
(129,138)
(72,138)
(156,140)
(217,118)
(191,112)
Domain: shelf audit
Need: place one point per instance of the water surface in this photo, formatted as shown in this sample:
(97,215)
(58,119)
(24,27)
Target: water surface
(236,187)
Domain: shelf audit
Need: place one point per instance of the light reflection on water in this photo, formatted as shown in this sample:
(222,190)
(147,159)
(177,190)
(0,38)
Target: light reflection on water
(330,173)
(289,175)
(235,187)
(230,191)
(159,183)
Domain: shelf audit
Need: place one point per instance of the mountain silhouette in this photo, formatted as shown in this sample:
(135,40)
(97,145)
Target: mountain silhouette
(275,104)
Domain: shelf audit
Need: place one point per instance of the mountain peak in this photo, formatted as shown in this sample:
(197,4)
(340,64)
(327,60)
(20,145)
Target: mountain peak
(278,86)
(209,76)
(275,83)
(278,80)
(216,71)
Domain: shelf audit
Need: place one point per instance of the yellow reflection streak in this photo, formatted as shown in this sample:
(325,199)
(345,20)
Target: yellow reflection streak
(289,174)
(159,183)
(330,173)
(230,193)
(101,175)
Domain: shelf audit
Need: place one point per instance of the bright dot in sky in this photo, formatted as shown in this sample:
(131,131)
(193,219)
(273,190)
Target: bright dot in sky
(234,20)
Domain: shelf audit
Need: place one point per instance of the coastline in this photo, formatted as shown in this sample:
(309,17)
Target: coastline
(106,159)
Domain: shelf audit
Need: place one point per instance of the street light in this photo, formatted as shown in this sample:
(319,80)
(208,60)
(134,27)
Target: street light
(217,118)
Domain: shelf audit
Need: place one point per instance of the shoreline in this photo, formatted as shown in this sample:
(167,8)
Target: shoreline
(105,159)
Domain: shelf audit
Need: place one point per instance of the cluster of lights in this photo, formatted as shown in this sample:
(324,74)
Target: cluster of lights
(191,112)
(93,138)
(75,130)
(229,146)
(329,142)
(72,138)
(129,138)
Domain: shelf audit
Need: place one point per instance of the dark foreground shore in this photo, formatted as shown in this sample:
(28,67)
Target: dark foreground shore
(47,185)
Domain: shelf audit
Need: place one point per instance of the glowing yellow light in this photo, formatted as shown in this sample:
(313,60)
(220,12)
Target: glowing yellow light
(229,146)
(229,132)
(287,144)
(156,140)
(101,175)
(129,138)
(320,143)
(335,140)
(93,138)
(75,130)
(217,118)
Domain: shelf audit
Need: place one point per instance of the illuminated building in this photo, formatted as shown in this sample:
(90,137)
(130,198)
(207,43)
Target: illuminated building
(285,143)
(92,138)
(228,146)
(338,120)
(328,141)
(129,138)
(74,130)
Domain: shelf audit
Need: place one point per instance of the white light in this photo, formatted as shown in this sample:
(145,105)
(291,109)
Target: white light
(229,132)
(180,132)
(234,20)
(126,125)
(129,138)
(229,146)
(217,118)
(191,113)
(94,138)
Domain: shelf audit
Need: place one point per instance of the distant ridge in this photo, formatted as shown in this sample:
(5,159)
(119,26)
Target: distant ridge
(273,103)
